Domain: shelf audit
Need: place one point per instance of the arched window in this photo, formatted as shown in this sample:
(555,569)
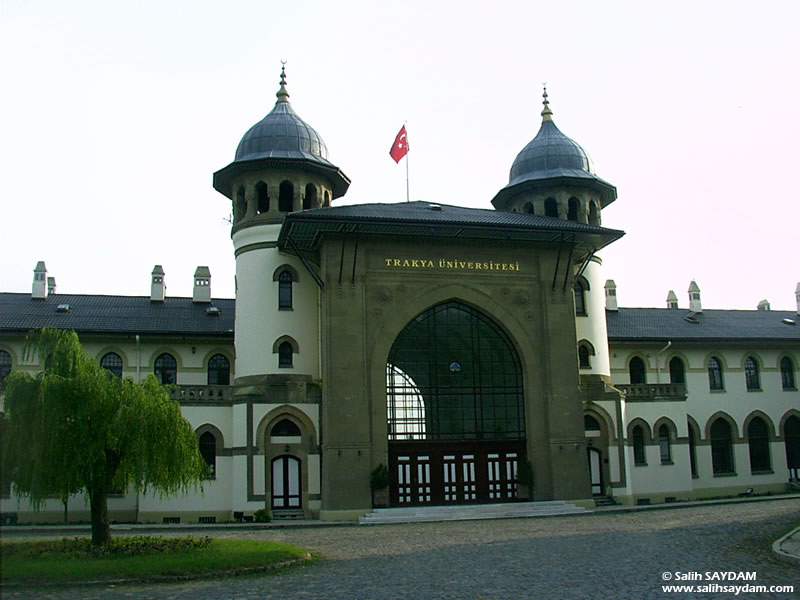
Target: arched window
(594,215)
(286,197)
(583,357)
(715,381)
(590,423)
(572,209)
(664,445)
(219,370)
(580,297)
(677,373)
(285,290)
(262,198)
(758,444)
(551,208)
(112,363)
(310,199)
(327,198)
(637,436)
(166,369)
(285,355)
(528,208)
(692,450)
(791,441)
(721,447)
(637,371)
(751,378)
(285,428)
(5,364)
(240,206)
(787,374)
(208,450)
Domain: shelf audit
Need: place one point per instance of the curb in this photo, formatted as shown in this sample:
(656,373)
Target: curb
(783,555)
(163,578)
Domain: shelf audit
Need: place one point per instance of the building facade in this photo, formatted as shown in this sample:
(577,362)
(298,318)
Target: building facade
(455,346)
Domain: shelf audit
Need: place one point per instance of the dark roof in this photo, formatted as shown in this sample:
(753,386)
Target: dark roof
(664,324)
(551,154)
(117,314)
(428,219)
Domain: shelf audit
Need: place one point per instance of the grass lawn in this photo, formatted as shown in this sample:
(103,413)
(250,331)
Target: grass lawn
(136,558)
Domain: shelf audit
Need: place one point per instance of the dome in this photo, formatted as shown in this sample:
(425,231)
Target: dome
(550,154)
(282,134)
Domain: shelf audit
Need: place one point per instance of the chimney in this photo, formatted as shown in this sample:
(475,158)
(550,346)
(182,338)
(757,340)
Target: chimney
(51,285)
(158,289)
(764,305)
(39,288)
(202,285)
(611,295)
(797,297)
(672,299)
(694,298)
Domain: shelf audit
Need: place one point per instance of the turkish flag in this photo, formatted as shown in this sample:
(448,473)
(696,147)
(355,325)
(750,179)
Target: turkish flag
(400,146)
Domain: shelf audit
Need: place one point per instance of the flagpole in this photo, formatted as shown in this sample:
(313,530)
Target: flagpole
(408,195)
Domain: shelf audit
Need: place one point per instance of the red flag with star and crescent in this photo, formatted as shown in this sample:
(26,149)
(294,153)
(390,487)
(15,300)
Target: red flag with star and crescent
(400,146)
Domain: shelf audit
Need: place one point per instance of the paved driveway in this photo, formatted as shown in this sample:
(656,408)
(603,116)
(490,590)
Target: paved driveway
(604,555)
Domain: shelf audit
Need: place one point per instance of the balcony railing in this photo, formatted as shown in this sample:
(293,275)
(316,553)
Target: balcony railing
(654,392)
(201,394)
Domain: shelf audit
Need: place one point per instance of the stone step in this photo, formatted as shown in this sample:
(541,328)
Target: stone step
(417,514)
(287,514)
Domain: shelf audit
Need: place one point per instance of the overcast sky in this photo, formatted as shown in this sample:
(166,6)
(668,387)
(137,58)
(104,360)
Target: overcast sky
(114,116)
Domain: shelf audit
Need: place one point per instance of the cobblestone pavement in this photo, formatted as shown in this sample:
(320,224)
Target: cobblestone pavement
(603,555)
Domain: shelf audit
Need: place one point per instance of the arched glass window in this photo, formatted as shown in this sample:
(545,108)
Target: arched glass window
(572,209)
(638,446)
(583,357)
(715,381)
(751,378)
(166,369)
(791,441)
(528,208)
(594,214)
(453,374)
(208,450)
(219,370)
(637,371)
(240,206)
(551,208)
(285,354)
(721,447)
(580,297)
(664,445)
(262,198)
(310,199)
(677,373)
(590,423)
(692,450)
(284,428)
(758,444)
(112,363)
(285,291)
(787,374)
(5,364)
(286,197)
(327,198)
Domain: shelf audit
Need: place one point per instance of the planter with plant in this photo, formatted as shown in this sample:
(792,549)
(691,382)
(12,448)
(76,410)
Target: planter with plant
(379,481)
(525,480)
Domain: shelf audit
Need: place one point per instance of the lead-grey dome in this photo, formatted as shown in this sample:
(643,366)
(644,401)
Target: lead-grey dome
(550,154)
(282,134)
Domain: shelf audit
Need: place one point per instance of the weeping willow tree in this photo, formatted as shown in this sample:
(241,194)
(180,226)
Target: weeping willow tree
(75,427)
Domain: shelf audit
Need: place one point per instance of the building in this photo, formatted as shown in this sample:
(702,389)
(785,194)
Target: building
(452,344)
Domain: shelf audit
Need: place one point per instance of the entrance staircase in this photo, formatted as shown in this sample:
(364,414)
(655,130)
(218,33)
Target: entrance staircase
(511,510)
(287,514)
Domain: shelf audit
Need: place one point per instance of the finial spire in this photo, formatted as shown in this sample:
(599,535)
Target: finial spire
(283,94)
(547,114)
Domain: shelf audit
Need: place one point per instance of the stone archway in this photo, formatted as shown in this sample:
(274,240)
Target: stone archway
(455,409)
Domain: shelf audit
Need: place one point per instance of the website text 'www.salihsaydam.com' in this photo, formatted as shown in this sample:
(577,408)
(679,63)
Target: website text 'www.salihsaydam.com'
(718,582)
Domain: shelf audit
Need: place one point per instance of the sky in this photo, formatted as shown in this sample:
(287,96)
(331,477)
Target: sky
(115,115)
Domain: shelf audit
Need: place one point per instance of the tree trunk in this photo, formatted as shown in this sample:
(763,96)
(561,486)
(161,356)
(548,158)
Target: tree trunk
(101,530)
